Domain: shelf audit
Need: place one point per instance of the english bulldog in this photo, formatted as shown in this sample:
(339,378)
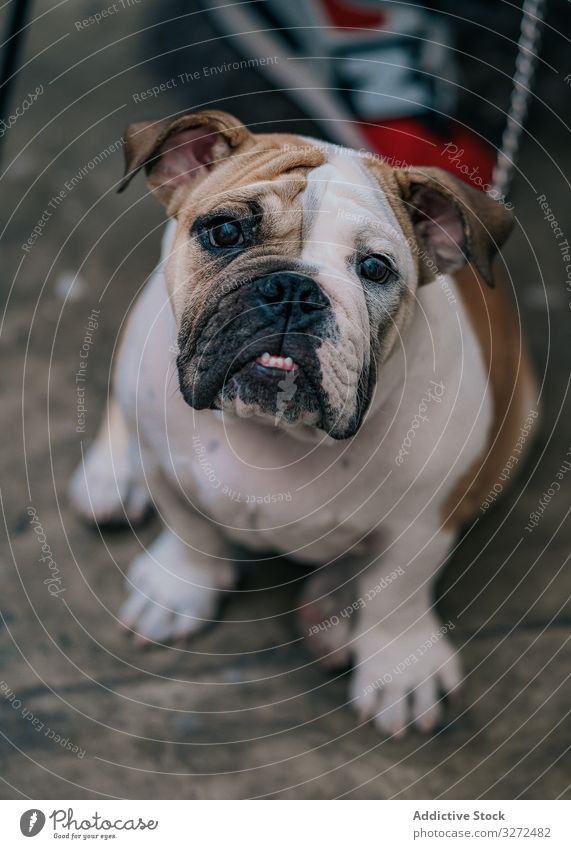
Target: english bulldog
(325,364)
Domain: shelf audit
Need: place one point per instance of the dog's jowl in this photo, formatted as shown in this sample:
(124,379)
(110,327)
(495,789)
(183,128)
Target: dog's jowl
(325,364)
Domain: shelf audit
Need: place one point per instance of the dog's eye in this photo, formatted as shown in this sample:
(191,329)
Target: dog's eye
(376,267)
(225,233)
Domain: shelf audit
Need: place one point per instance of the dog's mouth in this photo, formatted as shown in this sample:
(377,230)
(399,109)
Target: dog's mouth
(283,390)
(264,360)
(275,387)
(270,366)
(275,365)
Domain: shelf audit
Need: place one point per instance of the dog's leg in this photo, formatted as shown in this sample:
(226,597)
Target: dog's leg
(176,585)
(403,658)
(108,486)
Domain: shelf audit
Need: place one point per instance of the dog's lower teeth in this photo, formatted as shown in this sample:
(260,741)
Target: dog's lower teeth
(284,363)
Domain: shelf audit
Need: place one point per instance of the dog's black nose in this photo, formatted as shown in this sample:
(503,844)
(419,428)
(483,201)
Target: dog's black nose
(289,294)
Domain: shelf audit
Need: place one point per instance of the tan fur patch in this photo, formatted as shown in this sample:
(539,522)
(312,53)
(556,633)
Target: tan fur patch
(272,170)
(513,386)
(262,158)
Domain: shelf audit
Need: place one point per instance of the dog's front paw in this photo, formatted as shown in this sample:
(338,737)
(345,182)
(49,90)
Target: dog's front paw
(172,593)
(401,675)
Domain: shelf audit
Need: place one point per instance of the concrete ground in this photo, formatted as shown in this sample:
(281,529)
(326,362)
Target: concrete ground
(241,711)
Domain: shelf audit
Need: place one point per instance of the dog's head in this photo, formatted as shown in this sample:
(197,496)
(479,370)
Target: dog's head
(295,264)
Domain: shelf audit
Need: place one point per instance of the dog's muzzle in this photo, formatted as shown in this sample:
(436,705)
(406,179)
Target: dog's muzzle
(258,349)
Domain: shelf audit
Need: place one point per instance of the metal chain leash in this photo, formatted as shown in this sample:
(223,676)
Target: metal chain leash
(528,45)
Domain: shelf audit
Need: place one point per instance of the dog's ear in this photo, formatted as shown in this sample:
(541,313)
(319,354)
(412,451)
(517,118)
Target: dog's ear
(453,222)
(175,153)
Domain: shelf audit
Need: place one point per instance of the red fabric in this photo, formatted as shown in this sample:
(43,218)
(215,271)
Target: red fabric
(407,141)
(344,14)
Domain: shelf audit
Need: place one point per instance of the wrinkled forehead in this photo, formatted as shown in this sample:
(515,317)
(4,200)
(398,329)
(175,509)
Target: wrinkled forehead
(322,200)
(345,207)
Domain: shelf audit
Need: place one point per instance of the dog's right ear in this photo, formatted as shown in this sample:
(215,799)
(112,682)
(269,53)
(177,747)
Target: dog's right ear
(176,153)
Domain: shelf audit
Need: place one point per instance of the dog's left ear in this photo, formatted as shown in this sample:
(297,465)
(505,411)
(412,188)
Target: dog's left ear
(179,152)
(452,221)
